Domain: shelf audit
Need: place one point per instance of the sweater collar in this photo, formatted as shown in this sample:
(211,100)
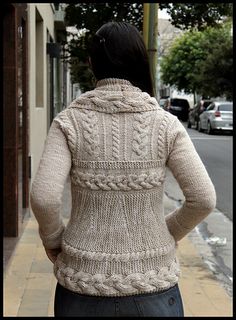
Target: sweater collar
(113,95)
(116,84)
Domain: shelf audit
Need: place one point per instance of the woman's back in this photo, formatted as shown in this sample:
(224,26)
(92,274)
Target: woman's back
(117,241)
(116,142)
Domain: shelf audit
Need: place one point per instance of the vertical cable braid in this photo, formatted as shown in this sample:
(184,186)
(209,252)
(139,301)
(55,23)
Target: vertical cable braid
(141,133)
(115,136)
(90,131)
(161,141)
(104,137)
(125,137)
(153,138)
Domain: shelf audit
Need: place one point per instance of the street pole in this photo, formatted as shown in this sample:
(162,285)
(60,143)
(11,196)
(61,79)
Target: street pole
(146,23)
(152,42)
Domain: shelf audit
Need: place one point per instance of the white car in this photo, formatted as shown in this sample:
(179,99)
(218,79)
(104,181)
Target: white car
(218,116)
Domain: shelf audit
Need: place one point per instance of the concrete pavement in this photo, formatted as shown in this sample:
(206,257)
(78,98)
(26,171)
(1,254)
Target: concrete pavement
(29,283)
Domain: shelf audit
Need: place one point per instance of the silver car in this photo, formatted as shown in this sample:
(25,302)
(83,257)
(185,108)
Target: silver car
(218,116)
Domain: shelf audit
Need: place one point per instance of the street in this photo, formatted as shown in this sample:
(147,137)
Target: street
(216,153)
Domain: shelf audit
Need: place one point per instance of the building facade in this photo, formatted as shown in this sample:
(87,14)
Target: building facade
(36,85)
(167,33)
(15,117)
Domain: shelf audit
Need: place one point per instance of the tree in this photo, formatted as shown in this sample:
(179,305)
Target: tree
(197,15)
(181,64)
(90,18)
(215,77)
(201,61)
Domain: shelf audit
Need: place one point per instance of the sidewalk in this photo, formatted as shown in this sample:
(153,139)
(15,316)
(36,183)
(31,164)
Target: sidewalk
(29,283)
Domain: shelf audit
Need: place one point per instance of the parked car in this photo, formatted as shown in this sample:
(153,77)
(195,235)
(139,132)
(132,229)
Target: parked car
(162,102)
(179,107)
(218,116)
(193,116)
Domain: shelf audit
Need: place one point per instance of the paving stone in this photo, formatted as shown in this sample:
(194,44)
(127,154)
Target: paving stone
(34,302)
(42,266)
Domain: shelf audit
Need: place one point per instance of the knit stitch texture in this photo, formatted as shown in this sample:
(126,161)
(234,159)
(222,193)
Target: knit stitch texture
(115,142)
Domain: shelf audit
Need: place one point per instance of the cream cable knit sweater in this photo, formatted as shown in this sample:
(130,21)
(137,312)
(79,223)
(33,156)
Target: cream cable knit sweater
(115,142)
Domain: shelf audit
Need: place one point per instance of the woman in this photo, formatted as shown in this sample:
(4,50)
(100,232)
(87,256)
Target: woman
(117,254)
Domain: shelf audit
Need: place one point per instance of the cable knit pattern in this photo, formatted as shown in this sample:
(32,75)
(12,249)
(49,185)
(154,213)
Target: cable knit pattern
(115,136)
(161,136)
(141,130)
(121,182)
(116,285)
(90,132)
(115,142)
(120,97)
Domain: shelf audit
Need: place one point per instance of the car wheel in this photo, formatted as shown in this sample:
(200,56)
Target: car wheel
(189,124)
(199,126)
(209,128)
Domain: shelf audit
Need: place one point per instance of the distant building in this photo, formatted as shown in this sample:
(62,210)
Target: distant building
(167,33)
(36,86)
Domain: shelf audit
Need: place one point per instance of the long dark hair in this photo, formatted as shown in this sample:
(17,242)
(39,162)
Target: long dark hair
(117,50)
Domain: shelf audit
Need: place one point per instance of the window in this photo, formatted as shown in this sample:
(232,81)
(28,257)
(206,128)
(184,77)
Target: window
(206,104)
(225,107)
(211,107)
(180,102)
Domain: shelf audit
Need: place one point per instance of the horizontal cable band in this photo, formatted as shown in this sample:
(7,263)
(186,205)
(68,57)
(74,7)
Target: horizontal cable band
(117,182)
(116,284)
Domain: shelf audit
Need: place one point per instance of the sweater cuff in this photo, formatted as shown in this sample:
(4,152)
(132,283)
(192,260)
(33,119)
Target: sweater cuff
(176,229)
(53,241)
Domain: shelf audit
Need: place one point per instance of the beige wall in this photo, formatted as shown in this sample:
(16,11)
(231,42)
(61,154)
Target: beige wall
(38,88)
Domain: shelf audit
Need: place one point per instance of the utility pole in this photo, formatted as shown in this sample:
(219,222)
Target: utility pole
(150,34)
(152,42)
(146,23)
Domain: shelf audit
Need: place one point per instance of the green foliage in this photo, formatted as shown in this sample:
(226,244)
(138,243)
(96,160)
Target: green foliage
(215,77)
(201,61)
(91,17)
(82,74)
(197,15)
(181,64)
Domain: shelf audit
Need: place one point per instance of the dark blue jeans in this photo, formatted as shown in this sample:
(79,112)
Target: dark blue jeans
(163,304)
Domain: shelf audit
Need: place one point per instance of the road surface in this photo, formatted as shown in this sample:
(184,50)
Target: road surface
(216,153)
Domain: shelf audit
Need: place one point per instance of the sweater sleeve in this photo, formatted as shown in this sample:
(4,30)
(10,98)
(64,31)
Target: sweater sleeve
(48,186)
(194,181)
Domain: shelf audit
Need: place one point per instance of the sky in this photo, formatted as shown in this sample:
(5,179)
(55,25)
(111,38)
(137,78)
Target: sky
(162,14)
